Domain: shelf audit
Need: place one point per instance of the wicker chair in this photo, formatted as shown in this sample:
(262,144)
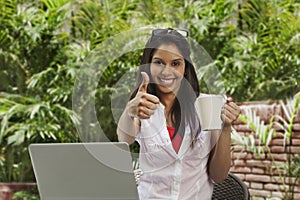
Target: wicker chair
(232,188)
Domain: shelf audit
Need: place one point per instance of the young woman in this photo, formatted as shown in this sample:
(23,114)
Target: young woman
(178,159)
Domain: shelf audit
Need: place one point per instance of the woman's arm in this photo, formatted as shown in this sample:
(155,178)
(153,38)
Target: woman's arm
(220,158)
(128,127)
(219,162)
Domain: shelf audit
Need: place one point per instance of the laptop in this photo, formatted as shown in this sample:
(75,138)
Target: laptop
(85,171)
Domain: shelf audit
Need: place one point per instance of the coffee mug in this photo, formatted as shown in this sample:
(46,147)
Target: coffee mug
(208,109)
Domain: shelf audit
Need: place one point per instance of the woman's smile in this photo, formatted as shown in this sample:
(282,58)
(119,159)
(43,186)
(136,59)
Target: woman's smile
(166,82)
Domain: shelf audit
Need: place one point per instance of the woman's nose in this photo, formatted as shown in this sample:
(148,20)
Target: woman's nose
(166,69)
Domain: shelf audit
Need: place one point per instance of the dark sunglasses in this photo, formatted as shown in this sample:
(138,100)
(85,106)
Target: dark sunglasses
(177,32)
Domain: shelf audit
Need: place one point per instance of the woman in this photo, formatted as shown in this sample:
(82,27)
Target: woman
(178,159)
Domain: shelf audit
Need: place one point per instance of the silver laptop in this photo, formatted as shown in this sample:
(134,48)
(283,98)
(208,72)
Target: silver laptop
(85,171)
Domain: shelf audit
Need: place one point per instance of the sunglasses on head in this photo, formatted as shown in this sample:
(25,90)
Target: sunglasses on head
(177,32)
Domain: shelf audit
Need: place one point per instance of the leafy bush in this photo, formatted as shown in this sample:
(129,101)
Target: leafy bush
(25,195)
(43,45)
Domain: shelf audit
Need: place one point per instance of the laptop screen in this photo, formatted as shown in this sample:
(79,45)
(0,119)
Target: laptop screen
(83,171)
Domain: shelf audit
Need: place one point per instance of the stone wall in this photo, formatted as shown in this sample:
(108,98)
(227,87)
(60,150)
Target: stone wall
(256,172)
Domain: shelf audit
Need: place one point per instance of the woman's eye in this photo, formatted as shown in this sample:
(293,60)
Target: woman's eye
(158,62)
(176,63)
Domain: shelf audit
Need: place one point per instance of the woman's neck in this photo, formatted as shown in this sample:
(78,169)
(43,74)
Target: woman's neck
(168,101)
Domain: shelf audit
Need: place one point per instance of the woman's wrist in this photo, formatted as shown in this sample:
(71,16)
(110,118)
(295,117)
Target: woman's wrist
(128,113)
(226,128)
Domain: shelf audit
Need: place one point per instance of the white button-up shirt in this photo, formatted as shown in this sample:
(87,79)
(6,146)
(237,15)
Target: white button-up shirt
(166,174)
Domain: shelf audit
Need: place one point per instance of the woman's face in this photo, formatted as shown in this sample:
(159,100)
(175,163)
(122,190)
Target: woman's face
(167,68)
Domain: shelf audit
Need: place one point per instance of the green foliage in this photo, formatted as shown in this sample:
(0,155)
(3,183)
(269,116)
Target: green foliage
(258,143)
(44,44)
(295,168)
(261,61)
(24,121)
(25,195)
(264,133)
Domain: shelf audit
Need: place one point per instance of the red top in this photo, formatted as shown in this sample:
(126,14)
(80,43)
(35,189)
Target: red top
(176,142)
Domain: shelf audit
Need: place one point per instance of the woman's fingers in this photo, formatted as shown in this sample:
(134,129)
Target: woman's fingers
(149,101)
(151,98)
(145,113)
(143,105)
(230,113)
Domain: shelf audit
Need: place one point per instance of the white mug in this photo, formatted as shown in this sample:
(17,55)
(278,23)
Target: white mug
(208,109)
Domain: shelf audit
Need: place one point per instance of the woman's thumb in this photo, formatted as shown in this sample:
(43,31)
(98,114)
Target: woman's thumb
(145,82)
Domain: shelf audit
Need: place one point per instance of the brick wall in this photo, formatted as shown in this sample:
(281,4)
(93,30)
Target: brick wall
(256,172)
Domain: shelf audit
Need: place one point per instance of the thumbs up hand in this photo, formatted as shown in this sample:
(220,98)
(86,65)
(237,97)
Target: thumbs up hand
(143,105)
(145,82)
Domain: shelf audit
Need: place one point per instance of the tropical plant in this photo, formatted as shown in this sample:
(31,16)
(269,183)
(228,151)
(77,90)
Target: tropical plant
(40,69)
(44,44)
(261,58)
(25,121)
(258,144)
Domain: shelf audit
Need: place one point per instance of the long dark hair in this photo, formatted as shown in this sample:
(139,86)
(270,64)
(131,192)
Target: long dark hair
(183,108)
